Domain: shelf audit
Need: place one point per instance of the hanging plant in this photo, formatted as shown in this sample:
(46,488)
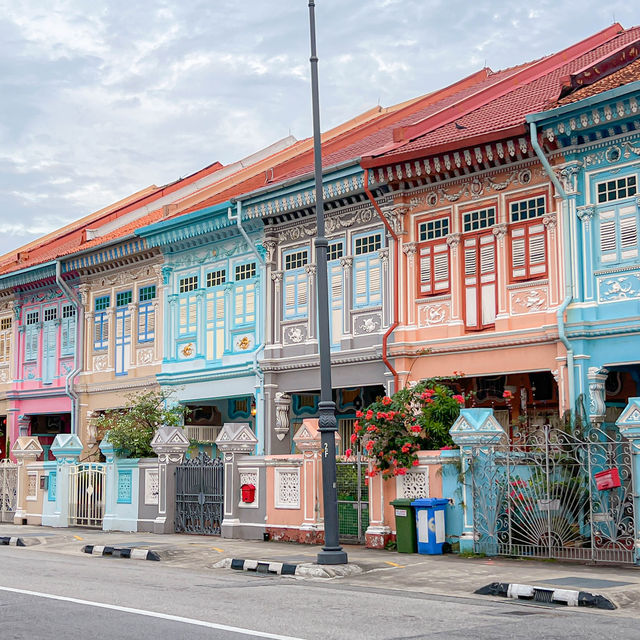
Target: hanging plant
(393,429)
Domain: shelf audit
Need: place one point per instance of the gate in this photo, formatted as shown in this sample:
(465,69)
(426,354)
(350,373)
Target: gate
(539,496)
(8,489)
(86,494)
(199,495)
(353,499)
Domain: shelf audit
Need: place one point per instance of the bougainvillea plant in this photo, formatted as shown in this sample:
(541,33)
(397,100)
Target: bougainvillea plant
(393,429)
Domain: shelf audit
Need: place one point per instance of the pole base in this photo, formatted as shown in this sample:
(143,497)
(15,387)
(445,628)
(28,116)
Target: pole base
(332,556)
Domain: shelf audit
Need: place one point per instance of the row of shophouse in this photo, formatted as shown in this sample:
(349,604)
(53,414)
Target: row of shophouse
(488,229)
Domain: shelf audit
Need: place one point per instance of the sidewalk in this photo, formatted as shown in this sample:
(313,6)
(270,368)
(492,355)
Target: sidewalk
(447,575)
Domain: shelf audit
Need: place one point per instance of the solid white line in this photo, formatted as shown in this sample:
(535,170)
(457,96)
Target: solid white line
(153,614)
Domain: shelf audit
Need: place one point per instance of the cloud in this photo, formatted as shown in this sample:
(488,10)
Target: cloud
(101,99)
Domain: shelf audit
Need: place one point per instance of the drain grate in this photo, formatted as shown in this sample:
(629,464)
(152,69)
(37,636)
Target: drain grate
(543,595)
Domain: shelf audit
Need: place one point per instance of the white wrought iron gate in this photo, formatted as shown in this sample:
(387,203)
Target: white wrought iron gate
(557,495)
(86,495)
(8,490)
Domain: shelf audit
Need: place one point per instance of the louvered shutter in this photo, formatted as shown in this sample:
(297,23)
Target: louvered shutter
(518,253)
(302,297)
(487,280)
(425,286)
(537,250)
(471,282)
(441,268)
(608,245)
(360,276)
(48,352)
(335,302)
(628,236)
(290,295)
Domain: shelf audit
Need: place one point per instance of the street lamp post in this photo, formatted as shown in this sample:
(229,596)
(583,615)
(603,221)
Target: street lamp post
(332,552)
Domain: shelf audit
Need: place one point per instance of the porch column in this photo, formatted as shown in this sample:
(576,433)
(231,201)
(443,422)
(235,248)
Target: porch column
(235,438)
(473,430)
(66,448)
(307,439)
(26,449)
(170,443)
(629,425)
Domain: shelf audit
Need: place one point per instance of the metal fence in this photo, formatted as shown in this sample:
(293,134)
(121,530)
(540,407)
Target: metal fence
(8,490)
(543,496)
(87,494)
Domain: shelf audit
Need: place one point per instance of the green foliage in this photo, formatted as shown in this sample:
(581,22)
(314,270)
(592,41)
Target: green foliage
(131,430)
(393,429)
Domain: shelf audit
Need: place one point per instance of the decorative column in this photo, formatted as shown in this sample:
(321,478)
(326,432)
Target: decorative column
(386,285)
(171,444)
(455,278)
(500,231)
(597,407)
(475,430)
(26,449)
(409,249)
(88,341)
(66,448)
(585,214)
(312,331)
(235,438)
(170,327)
(629,425)
(282,403)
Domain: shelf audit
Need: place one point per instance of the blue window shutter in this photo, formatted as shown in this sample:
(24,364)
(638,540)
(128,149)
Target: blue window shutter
(335,302)
(295,294)
(68,336)
(49,352)
(146,323)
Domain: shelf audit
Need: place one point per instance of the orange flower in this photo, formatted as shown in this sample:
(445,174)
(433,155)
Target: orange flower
(386,401)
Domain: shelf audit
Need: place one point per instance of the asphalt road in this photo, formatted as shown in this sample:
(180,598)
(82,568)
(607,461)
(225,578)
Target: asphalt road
(49,595)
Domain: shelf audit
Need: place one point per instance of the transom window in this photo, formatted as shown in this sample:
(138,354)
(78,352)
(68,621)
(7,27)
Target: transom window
(335,251)
(147,293)
(433,229)
(50,314)
(190,283)
(32,317)
(68,311)
(245,271)
(296,259)
(367,244)
(102,303)
(5,324)
(617,189)
(527,209)
(123,298)
(480,219)
(216,278)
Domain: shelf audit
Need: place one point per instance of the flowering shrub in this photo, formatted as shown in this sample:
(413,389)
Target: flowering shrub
(393,429)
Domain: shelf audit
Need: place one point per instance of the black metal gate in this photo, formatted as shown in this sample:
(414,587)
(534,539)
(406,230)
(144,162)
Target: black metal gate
(353,499)
(199,495)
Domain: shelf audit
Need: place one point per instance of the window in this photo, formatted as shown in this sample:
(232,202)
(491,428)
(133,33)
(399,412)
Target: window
(335,251)
(527,209)
(101,323)
(215,303)
(245,271)
(190,283)
(367,244)
(479,281)
(245,304)
(528,251)
(618,233)
(480,219)
(102,303)
(68,330)
(123,298)
(32,332)
(5,340)
(216,278)
(296,259)
(147,293)
(367,270)
(50,314)
(433,229)
(616,189)
(146,314)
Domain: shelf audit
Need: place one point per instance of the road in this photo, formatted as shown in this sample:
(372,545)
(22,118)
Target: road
(49,595)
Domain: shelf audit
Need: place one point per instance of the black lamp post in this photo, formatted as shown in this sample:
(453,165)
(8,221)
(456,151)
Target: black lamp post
(332,552)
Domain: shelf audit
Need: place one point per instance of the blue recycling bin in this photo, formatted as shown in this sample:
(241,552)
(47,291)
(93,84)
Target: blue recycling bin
(430,524)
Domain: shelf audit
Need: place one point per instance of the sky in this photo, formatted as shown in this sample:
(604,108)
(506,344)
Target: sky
(101,98)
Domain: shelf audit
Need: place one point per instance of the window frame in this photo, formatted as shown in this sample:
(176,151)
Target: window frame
(431,244)
(526,225)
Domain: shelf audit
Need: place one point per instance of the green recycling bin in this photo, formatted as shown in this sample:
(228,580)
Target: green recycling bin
(405,525)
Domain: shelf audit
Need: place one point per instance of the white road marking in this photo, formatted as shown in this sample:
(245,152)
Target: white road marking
(152,614)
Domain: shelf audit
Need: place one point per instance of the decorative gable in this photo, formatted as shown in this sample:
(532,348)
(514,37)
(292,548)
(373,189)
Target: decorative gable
(477,426)
(236,437)
(629,420)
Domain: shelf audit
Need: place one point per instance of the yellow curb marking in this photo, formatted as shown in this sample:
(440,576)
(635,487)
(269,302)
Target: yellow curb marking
(218,550)
(78,538)
(395,564)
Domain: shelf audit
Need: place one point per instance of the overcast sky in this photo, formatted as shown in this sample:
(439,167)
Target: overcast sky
(99,98)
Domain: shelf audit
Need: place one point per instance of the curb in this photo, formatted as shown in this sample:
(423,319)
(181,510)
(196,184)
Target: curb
(114,552)
(14,542)
(568,597)
(260,566)
(305,570)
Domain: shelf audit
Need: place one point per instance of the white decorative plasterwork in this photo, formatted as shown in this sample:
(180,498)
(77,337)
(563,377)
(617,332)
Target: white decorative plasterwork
(597,379)
(295,334)
(4,374)
(249,476)
(414,485)
(550,221)
(409,248)
(568,174)
(145,356)
(622,287)
(32,485)
(287,488)
(499,230)
(100,363)
(363,325)
(270,245)
(283,403)
(529,300)
(453,240)
(585,213)
(151,486)
(434,314)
